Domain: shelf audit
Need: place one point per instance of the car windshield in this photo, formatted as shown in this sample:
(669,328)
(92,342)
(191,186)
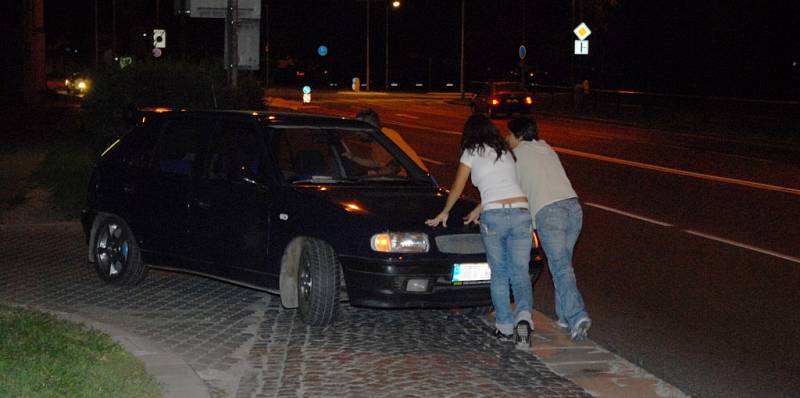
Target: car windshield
(511,86)
(341,156)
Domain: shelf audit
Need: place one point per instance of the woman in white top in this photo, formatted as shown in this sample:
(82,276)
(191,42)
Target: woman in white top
(505,221)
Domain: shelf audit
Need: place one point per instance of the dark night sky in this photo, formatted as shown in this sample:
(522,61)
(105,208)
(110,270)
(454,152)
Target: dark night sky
(741,48)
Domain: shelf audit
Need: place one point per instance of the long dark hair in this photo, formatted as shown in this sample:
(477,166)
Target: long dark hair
(479,131)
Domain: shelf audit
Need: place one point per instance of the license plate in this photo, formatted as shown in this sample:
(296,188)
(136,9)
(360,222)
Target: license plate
(471,272)
(512,101)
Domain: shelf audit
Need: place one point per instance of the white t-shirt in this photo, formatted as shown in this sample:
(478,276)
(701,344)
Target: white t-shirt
(495,180)
(541,175)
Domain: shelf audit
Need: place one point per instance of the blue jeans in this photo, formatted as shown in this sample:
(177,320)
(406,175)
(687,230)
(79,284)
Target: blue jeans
(506,234)
(559,225)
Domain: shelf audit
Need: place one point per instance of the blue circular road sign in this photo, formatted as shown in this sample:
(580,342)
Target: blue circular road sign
(306,89)
(322,51)
(522,52)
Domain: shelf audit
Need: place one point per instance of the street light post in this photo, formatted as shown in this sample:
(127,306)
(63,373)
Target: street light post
(461,71)
(96,41)
(395,4)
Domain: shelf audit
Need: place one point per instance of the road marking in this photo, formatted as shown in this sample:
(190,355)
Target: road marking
(744,246)
(418,127)
(646,166)
(699,234)
(631,215)
(669,170)
(406,116)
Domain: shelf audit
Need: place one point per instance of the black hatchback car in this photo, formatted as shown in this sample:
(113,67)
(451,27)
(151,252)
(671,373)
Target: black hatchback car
(494,98)
(278,202)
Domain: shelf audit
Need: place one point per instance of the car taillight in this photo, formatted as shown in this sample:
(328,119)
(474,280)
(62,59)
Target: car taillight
(529,100)
(495,102)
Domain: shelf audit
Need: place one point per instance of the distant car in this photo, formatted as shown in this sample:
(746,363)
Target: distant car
(494,98)
(278,202)
(77,84)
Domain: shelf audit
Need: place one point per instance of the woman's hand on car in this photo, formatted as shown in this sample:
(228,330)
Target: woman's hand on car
(474,216)
(440,218)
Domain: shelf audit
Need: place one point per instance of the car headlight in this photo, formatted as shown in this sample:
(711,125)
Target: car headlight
(400,242)
(82,85)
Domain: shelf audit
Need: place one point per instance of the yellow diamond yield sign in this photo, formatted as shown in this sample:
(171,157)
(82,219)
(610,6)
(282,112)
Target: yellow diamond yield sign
(582,31)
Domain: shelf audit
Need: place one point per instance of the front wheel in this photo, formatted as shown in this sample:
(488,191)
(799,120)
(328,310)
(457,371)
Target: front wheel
(319,277)
(115,252)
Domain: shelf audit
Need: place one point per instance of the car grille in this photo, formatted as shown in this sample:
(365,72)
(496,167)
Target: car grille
(460,244)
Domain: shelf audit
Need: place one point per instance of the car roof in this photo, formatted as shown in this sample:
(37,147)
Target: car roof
(276,118)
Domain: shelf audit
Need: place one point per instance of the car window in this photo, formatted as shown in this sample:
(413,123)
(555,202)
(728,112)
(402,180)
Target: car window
(236,153)
(305,153)
(136,149)
(327,154)
(180,147)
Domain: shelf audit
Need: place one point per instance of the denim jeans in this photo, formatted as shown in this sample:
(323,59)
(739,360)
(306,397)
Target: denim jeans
(559,225)
(506,234)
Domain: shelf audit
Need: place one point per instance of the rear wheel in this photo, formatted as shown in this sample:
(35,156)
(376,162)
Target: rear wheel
(319,277)
(116,255)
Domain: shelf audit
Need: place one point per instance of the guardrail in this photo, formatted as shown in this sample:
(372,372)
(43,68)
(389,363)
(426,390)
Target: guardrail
(674,111)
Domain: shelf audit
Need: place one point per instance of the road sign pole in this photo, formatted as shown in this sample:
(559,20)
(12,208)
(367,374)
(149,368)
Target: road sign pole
(232,22)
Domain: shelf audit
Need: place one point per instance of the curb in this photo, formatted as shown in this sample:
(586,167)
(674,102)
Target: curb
(175,377)
(598,371)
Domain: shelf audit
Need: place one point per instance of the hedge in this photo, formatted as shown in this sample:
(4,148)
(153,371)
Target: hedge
(187,85)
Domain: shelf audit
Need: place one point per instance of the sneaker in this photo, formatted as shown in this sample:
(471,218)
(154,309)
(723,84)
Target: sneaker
(561,324)
(500,336)
(581,330)
(522,334)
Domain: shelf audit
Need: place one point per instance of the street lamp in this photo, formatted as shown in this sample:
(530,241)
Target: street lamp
(461,56)
(395,5)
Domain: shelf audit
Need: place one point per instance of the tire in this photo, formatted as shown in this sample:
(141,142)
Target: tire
(318,280)
(115,252)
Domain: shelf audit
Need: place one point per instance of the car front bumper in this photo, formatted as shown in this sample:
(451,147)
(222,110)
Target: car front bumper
(384,284)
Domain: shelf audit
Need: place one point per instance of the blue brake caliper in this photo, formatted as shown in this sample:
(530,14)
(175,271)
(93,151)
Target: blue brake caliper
(125,250)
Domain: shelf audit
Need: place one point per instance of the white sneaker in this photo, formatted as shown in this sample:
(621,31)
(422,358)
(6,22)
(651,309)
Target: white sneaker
(561,324)
(581,330)
(523,333)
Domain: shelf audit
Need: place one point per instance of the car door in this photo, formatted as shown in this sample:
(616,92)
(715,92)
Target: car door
(230,218)
(177,162)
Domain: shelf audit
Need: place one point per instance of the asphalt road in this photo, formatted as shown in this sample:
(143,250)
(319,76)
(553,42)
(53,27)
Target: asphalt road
(689,260)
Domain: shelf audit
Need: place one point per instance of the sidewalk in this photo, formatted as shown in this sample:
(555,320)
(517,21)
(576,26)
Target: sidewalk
(203,338)
(600,372)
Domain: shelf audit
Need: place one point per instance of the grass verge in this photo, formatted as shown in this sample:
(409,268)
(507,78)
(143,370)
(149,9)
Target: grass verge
(42,356)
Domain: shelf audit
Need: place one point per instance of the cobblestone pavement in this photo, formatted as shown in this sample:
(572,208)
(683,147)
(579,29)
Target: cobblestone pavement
(242,343)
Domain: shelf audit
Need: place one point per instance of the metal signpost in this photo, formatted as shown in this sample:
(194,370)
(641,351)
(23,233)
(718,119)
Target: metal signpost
(242,30)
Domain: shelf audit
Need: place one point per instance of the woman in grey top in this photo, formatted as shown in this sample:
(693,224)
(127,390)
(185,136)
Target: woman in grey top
(557,216)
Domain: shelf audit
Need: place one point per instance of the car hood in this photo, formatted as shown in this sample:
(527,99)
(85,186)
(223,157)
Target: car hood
(404,208)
